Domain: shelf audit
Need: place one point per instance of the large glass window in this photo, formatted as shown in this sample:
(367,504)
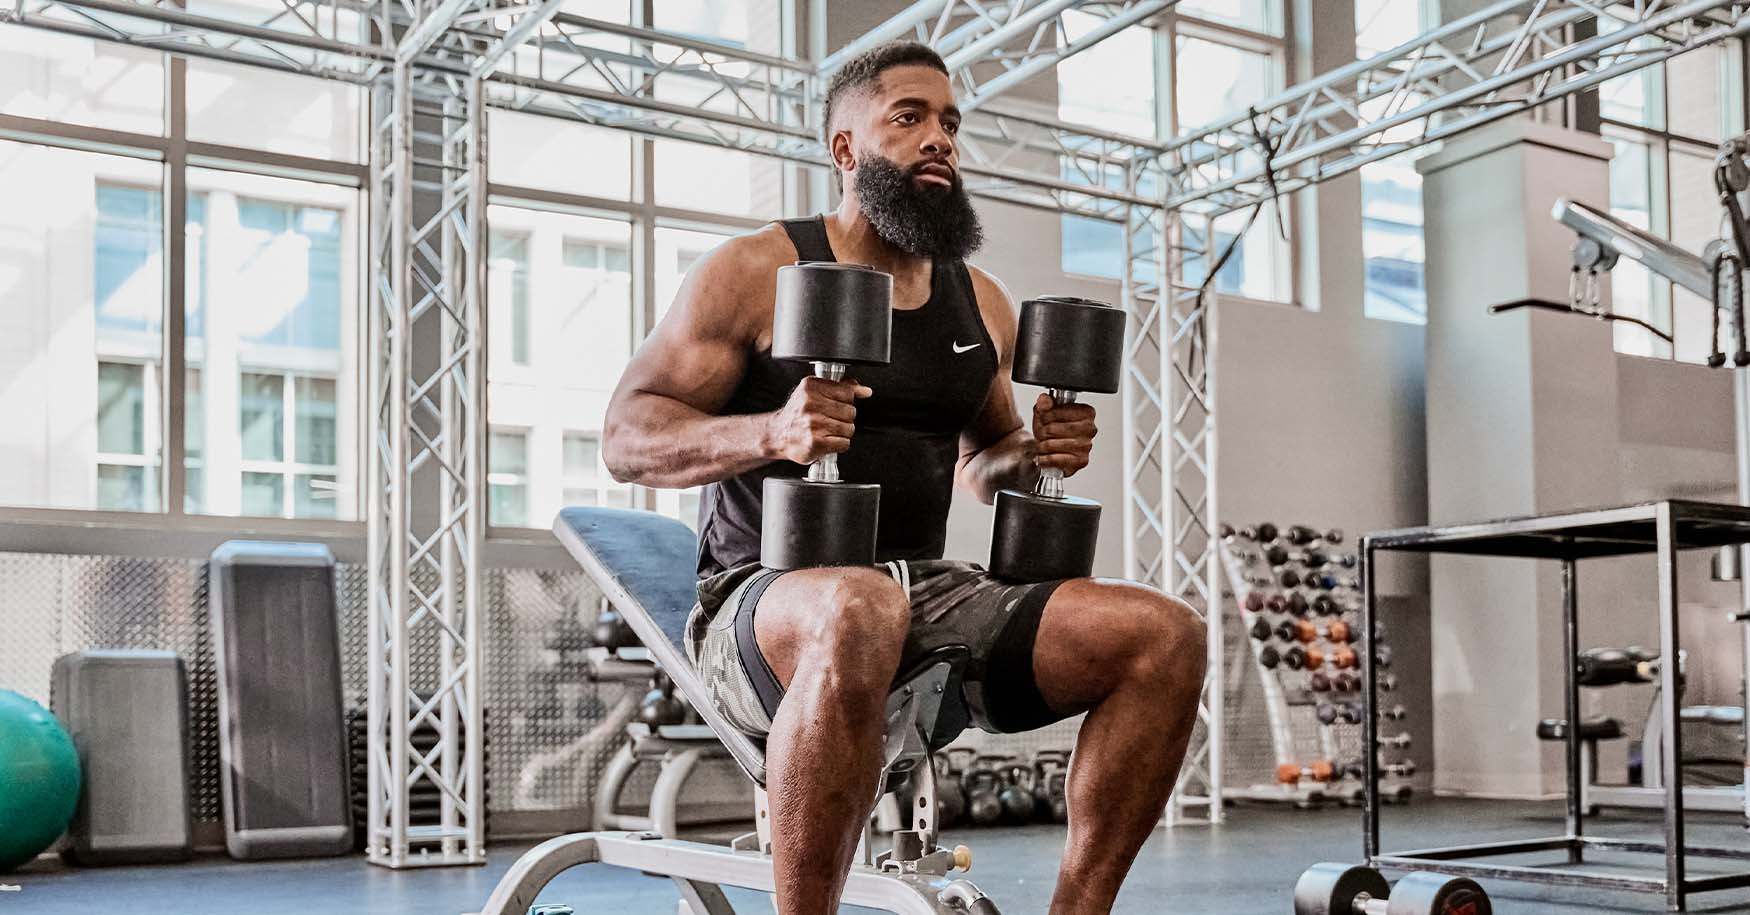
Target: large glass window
(1218,57)
(1664,123)
(1391,189)
(253,107)
(507,477)
(81,302)
(272,303)
(56,77)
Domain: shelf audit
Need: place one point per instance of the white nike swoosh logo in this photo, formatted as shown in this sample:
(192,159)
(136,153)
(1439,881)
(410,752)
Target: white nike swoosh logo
(961,349)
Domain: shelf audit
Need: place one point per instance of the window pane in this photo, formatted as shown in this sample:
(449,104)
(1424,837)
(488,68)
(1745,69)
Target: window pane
(261,398)
(509,453)
(264,494)
(1257,15)
(1391,240)
(1258,267)
(315,418)
(750,24)
(556,155)
(1381,25)
(509,505)
(283,112)
(121,488)
(278,292)
(1112,88)
(1093,247)
(313,496)
(507,279)
(676,252)
(121,409)
(582,452)
(1634,98)
(1634,291)
(699,177)
(81,281)
(81,81)
(1227,80)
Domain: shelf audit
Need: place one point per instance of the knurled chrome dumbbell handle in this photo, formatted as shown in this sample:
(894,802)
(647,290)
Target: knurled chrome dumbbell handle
(826,469)
(1050,483)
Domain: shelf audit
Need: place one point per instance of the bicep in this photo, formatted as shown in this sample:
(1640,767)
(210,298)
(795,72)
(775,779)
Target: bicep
(698,351)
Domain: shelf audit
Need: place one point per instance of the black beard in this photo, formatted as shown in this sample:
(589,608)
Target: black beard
(930,221)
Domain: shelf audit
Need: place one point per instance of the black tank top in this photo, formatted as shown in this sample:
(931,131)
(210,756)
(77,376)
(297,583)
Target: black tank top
(908,431)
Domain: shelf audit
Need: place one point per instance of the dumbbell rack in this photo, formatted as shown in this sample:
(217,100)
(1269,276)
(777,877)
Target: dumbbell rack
(1299,678)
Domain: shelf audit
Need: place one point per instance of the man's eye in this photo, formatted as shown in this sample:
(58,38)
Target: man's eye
(906,117)
(952,127)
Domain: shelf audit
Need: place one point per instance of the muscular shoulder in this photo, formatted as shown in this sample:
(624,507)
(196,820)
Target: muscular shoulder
(997,307)
(732,285)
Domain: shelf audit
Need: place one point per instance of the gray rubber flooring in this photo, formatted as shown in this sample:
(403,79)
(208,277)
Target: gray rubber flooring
(1249,864)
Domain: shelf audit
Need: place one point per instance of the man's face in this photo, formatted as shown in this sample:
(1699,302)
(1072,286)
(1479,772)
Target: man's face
(904,167)
(911,120)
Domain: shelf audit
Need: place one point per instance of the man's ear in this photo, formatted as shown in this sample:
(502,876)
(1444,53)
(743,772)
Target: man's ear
(842,156)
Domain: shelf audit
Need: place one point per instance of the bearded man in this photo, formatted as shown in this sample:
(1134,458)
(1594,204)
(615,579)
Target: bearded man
(804,659)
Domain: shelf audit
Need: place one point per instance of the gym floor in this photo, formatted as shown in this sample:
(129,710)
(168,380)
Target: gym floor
(1248,865)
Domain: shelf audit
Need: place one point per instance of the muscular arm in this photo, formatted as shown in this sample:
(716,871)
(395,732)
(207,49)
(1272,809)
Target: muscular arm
(660,428)
(996,450)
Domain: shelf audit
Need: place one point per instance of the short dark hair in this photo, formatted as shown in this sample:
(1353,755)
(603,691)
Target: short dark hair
(866,68)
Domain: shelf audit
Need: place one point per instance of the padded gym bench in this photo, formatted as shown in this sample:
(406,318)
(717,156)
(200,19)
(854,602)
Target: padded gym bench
(644,563)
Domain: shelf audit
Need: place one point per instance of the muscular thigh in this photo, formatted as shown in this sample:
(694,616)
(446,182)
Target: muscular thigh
(793,612)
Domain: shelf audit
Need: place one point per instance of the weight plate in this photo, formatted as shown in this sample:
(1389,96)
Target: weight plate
(1331,889)
(1438,894)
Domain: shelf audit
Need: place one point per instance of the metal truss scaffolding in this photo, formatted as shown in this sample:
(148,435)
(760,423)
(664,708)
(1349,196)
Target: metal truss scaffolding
(437,65)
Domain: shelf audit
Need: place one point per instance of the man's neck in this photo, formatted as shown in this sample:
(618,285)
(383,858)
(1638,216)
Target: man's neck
(855,241)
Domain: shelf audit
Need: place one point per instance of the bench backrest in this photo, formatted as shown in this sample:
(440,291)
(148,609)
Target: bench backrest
(644,563)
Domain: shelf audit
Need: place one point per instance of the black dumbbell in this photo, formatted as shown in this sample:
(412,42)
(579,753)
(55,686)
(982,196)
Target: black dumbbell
(1297,604)
(1327,713)
(1269,657)
(1069,346)
(1342,889)
(1395,713)
(1260,629)
(834,316)
(1319,683)
(1353,712)
(1288,578)
(1325,605)
(1253,601)
(1264,532)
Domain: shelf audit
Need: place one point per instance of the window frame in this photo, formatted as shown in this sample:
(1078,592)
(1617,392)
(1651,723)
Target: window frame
(1167,27)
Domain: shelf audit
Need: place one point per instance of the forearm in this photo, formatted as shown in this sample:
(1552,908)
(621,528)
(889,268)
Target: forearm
(661,442)
(1007,464)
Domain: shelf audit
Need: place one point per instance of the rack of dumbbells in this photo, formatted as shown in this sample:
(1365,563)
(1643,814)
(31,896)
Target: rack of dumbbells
(1298,599)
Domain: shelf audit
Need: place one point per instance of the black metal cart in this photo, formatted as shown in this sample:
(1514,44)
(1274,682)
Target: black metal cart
(1661,528)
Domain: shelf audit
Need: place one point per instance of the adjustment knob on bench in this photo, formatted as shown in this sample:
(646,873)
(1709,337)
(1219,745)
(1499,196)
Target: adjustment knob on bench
(834,316)
(1069,346)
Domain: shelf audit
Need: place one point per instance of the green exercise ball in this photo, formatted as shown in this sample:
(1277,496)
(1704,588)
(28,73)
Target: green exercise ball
(39,779)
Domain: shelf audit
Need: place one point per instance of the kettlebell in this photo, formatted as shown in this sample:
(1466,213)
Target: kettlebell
(661,706)
(1017,793)
(1050,780)
(611,630)
(982,786)
(950,794)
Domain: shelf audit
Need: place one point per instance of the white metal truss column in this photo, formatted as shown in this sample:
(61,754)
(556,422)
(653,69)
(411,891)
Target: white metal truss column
(427,426)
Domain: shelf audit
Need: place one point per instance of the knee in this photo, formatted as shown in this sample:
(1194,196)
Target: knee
(866,615)
(1171,639)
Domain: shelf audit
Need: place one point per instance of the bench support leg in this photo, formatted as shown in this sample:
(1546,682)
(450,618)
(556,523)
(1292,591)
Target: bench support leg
(702,870)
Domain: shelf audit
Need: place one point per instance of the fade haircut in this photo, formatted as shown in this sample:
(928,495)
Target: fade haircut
(864,71)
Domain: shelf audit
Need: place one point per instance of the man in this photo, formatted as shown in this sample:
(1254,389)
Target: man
(805,658)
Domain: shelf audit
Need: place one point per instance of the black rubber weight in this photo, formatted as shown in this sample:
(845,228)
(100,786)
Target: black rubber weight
(1438,894)
(833,313)
(1069,343)
(806,524)
(1041,539)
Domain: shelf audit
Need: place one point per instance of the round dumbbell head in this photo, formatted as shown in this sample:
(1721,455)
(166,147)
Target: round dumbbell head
(1297,604)
(1276,603)
(1069,343)
(805,524)
(1266,532)
(1254,601)
(1332,889)
(831,312)
(1260,628)
(1319,683)
(1035,538)
(1327,713)
(1438,894)
(1269,657)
